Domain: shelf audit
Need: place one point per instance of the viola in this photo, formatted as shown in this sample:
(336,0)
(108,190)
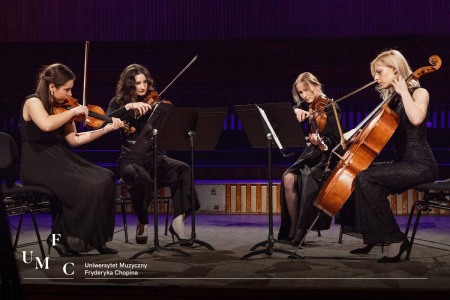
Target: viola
(378,127)
(96,115)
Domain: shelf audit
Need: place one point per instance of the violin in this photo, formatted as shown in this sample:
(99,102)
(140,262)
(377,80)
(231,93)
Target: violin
(318,112)
(96,115)
(318,119)
(154,99)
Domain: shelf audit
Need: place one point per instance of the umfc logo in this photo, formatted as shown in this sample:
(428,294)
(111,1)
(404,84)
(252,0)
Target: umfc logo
(43,264)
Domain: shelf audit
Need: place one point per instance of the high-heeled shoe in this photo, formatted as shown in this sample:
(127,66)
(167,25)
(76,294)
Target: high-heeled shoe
(106,250)
(287,239)
(62,251)
(183,242)
(141,238)
(364,250)
(394,259)
(298,237)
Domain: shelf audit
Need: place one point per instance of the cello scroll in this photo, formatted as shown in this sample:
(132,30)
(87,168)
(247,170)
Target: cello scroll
(435,62)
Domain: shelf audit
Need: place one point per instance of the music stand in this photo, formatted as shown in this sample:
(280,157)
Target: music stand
(149,134)
(188,124)
(280,125)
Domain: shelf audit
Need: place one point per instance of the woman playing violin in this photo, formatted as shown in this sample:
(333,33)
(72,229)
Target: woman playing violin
(136,165)
(301,181)
(86,193)
(413,163)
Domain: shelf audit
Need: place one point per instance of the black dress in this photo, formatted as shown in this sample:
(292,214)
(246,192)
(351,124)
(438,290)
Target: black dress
(413,164)
(86,192)
(310,171)
(136,168)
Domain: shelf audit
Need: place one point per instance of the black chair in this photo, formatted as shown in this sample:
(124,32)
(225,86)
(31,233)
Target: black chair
(124,199)
(20,199)
(436,195)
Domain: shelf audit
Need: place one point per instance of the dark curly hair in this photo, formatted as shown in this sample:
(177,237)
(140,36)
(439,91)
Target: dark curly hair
(125,90)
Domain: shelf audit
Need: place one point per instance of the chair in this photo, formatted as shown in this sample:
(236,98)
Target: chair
(436,195)
(19,198)
(124,199)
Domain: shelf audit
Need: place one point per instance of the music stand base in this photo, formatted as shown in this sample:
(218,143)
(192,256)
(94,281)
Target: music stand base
(270,250)
(158,248)
(191,242)
(266,244)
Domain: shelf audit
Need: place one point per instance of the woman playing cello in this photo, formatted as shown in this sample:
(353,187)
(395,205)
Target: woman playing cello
(301,181)
(413,163)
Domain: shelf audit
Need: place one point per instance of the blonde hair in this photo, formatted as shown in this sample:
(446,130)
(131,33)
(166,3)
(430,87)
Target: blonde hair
(396,60)
(308,79)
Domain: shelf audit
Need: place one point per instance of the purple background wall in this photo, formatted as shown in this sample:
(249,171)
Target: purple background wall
(249,52)
(143,20)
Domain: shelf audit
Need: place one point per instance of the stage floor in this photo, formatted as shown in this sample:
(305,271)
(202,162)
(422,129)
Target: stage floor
(327,268)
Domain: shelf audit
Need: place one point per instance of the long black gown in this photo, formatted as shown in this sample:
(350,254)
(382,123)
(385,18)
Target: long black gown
(310,168)
(86,192)
(136,167)
(413,164)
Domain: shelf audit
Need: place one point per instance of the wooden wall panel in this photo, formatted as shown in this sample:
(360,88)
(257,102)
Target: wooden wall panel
(400,203)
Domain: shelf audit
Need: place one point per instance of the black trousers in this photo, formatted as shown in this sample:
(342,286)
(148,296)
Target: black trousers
(373,215)
(171,172)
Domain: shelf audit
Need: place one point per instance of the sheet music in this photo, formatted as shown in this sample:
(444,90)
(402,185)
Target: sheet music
(266,120)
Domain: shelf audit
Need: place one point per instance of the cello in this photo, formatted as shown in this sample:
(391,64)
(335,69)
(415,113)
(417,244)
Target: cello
(368,140)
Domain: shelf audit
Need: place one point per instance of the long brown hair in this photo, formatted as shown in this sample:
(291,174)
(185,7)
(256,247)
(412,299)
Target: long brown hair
(56,73)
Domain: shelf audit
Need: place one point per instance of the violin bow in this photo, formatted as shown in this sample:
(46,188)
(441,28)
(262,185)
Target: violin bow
(86,51)
(348,95)
(355,91)
(179,74)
